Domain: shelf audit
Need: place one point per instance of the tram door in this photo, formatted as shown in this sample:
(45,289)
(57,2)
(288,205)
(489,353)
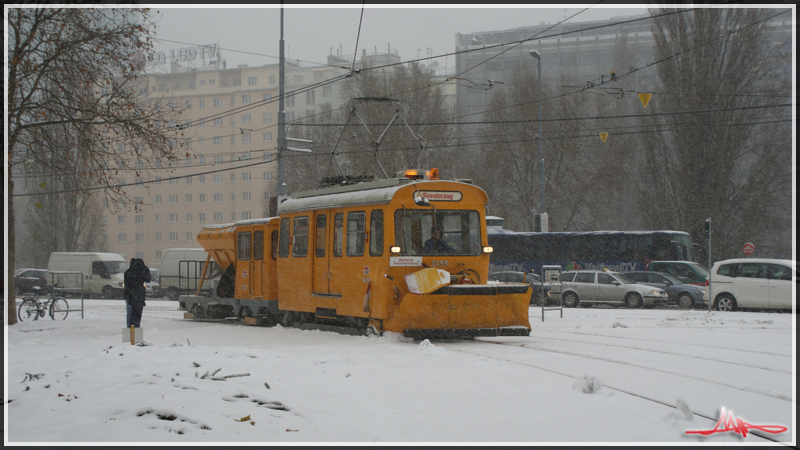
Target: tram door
(328,238)
(258,267)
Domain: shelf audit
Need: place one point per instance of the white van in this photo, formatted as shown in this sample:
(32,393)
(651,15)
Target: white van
(103,273)
(753,283)
(182,270)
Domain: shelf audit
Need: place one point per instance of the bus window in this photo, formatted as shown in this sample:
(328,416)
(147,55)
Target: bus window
(283,245)
(338,234)
(319,236)
(244,246)
(300,237)
(356,223)
(376,233)
(258,245)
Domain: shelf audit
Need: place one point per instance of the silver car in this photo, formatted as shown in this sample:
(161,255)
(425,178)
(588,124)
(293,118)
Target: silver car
(585,287)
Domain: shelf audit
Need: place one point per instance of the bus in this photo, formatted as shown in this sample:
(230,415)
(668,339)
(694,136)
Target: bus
(619,251)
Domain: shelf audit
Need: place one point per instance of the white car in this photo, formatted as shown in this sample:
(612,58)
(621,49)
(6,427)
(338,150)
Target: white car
(753,283)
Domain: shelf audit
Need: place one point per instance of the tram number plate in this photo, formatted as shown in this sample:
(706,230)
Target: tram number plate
(439,263)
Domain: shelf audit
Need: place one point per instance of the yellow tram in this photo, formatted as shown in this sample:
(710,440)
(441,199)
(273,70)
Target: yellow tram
(408,255)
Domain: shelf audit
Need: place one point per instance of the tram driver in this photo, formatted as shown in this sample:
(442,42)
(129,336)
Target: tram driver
(437,244)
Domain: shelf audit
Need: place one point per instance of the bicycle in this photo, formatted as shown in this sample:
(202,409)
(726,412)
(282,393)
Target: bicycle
(32,307)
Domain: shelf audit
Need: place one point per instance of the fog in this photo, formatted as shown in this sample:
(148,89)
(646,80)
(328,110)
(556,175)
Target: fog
(248,34)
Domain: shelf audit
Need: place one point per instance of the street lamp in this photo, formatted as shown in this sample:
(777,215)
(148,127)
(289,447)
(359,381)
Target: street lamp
(542,208)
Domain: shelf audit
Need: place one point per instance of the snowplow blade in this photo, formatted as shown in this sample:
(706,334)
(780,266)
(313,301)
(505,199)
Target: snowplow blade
(463,311)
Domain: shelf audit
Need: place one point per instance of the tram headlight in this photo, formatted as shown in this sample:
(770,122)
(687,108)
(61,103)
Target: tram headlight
(488,249)
(394,249)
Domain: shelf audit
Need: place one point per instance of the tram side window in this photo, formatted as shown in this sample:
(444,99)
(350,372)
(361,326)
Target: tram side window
(356,226)
(283,244)
(338,234)
(376,233)
(319,236)
(245,246)
(300,247)
(273,244)
(258,245)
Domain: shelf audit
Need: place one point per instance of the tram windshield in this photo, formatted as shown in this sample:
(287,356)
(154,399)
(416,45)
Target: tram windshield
(437,232)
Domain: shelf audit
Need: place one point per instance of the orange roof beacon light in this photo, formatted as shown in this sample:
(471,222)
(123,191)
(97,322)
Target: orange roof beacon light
(418,174)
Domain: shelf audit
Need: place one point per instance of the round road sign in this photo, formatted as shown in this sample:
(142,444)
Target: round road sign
(748,248)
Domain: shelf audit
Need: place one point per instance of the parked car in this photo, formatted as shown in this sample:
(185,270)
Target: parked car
(686,271)
(153,287)
(26,279)
(753,283)
(539,296)
(584,287)
(684,295)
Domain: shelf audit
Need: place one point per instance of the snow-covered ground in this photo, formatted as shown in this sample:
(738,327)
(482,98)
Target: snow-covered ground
(593,376)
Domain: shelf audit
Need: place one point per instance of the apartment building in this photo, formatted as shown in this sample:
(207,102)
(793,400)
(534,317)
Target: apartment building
(227,166)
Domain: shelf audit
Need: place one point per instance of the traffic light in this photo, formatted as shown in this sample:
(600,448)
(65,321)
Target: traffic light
(708,226)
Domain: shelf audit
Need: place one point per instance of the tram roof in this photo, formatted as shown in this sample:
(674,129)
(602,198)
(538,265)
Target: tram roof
(373,192)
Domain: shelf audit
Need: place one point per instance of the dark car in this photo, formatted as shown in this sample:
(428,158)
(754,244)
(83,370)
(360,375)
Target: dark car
(539,296)
(682,294)
(26,279)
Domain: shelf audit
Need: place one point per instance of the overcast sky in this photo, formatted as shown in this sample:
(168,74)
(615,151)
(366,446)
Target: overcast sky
(249,34)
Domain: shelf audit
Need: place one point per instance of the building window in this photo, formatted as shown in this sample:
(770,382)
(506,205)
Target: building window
(173,181)
(158,255)
(217,140)
(251,81)
(245,99)
(217,198)
(188,236)
(245,196)
(246,177)
(266,97)
(217,178)
(245,118)
(139,218)
(121,220)
(173,198)
(202,198)
(267,137)
(272,79)
(266,117)
(201,141)
(158,218)
(121,237)
(233,178)
(310,97)
(201,217)
(245,215)
(233,197)
(158,199)
(201,179)
(246,138)
(139,237)
(217,102)
(218,217)
(201,103)
(218,122)
(173,236)
(188,198)
(158,237)
(173,217)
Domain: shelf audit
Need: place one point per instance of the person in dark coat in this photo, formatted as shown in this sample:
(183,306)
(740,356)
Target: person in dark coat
(135,277)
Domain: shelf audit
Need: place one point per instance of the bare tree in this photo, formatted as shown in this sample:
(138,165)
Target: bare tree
(724,150)
(577,162)
(73,82)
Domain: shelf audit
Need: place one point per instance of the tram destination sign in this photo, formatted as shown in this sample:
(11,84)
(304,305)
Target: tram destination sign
(442,196)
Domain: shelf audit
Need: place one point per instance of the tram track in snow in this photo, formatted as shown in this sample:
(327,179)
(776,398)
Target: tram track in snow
(715,347)
(470,349)
(631,347)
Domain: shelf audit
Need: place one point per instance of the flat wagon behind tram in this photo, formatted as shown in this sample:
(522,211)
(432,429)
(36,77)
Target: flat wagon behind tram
(365,256)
